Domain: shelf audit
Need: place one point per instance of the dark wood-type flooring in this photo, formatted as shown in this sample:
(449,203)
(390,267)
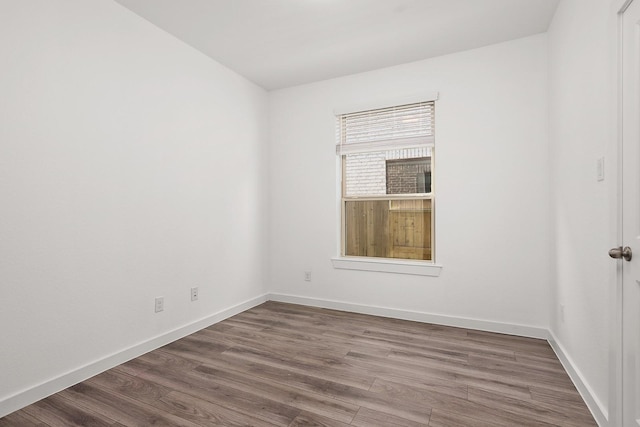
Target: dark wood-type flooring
(289,365)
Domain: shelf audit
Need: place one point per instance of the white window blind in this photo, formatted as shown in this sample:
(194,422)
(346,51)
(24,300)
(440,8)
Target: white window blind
(404,126)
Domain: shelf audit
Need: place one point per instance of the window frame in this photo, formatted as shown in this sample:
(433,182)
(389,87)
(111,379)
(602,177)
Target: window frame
(404,196)
(380,264)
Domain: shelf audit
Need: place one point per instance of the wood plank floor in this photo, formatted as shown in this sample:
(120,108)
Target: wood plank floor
(289,365)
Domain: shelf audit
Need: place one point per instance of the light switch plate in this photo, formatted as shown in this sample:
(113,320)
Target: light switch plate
(600,169)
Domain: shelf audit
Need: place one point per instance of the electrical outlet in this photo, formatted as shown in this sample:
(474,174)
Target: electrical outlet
(307,275)
(562,312)
(194,294)
(159,304)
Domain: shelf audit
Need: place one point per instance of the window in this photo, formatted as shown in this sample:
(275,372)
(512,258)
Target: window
(387,201)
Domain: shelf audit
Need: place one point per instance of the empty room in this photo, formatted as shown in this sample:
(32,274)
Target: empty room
(320,213)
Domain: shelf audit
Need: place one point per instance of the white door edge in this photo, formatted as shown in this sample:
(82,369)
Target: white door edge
(614,154)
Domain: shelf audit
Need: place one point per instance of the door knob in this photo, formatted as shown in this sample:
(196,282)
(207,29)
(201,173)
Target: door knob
(621,252)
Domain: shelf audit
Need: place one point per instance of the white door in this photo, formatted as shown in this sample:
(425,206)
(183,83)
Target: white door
(631,214)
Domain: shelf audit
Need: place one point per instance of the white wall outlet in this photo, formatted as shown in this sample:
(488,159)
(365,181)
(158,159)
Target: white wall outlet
(194,294)
(307,275)
(562,312)
(159,304)
(600,169)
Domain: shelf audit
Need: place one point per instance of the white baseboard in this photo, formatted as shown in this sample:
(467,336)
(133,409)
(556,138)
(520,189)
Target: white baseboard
(596,407)
(417,316)
(47,388)
(33,394)
(598,410)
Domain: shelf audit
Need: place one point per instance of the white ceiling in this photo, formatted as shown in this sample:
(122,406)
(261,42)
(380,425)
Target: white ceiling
(282,43)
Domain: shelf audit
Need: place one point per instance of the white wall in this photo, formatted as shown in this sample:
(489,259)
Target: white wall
(131,166)
(579,129)
(491,178)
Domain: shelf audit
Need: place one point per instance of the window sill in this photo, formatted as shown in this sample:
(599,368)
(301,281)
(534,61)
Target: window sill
(419,268)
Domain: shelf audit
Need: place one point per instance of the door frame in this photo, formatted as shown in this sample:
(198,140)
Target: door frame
(614,164)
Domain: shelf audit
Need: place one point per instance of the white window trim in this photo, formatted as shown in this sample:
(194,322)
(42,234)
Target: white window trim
(382,265)
(387,265)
